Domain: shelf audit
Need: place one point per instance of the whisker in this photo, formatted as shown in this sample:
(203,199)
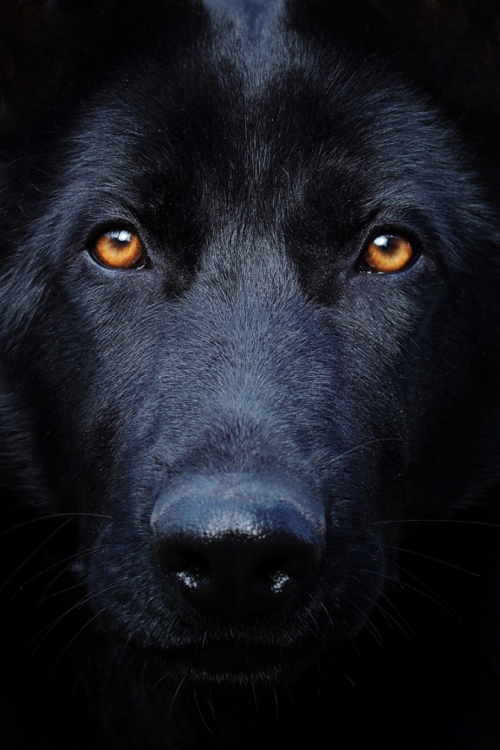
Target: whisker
(55,565)
(407,630)
(51,517)
(437,520)
(75,586)
(80,555)
(33,553)
(454,615)
(73,639)
(179,686)
(435,559)
(209,730)
(50,626)
(342,671)
(369,624)
(256,703)
(287,689)
(322,605)
(438,598)
(363,445)
(210,701)
(119,659)
(276,704)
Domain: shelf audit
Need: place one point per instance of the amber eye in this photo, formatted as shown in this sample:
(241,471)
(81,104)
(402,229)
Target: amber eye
(120,248)
(388,254)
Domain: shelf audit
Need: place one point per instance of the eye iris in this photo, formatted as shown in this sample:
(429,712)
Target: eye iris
(119,249)
(388,254)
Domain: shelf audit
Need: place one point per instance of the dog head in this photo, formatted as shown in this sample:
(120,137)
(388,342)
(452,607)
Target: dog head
(246,318)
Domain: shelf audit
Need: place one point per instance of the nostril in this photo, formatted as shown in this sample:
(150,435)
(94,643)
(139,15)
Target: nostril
(184,562)
(195,571)
(269,571)
(195,564)
(272,573)
(276,570)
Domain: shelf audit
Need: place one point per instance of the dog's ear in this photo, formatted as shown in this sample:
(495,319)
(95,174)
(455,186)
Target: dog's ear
(50,48)
(457,42)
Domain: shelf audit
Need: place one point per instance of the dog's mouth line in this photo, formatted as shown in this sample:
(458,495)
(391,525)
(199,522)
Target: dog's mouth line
(237,660)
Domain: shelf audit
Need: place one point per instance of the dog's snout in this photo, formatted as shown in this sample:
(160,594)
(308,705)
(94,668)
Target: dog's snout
(237,546)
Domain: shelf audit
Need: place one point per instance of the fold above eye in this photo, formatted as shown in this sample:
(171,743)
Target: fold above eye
(121,249)
(387,253)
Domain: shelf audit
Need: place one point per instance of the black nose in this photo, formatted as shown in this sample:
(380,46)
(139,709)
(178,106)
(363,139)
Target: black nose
(236,545)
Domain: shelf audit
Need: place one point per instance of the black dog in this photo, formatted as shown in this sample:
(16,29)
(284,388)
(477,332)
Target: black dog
(249,325)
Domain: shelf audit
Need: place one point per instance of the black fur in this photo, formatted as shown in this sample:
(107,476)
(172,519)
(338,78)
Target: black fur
(256,148)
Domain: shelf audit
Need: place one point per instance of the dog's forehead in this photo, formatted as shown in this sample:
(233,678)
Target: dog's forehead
(251,13)
(266,122)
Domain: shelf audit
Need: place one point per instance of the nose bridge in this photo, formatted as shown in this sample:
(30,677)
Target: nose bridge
(239,268)
(257,355)
(251,303)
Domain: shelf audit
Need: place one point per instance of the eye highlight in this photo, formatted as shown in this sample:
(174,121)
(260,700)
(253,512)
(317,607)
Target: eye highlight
(388,253)
(121,249)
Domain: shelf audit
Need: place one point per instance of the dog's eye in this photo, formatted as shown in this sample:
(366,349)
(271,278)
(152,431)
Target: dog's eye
(120,248)
(387,254)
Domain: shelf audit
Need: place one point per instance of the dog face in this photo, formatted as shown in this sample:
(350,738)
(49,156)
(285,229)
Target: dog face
(249,335)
